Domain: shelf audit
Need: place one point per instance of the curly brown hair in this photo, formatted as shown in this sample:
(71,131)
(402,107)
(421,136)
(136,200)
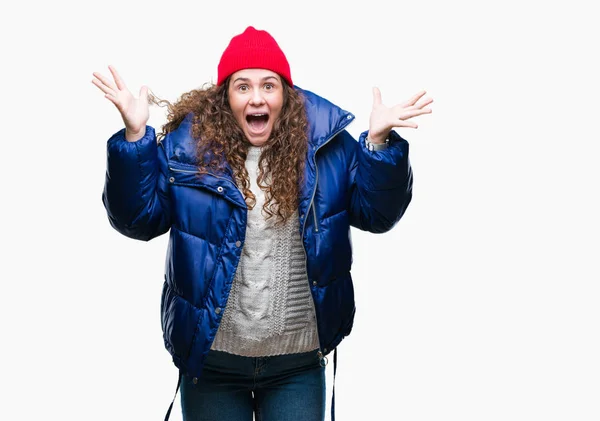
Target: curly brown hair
(219,136)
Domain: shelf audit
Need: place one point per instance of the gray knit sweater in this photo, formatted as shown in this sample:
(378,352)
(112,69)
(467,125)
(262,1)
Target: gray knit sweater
(270,310)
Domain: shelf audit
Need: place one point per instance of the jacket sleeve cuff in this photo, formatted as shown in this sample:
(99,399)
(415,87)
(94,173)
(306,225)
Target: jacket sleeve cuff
(140,155)
(384,169)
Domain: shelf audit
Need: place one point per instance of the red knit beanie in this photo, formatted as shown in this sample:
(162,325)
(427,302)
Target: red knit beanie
(253,49)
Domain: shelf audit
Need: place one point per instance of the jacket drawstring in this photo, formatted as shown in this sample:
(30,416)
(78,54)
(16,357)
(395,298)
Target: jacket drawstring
(173,401)
(333,388)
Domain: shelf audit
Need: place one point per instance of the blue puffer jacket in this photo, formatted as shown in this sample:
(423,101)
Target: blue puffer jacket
(153,188)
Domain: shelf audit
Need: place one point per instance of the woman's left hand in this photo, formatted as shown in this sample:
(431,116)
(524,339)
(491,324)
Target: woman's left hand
(383,119)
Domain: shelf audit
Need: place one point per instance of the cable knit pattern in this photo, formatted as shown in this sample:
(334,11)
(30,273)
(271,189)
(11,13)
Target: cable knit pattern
(270,310)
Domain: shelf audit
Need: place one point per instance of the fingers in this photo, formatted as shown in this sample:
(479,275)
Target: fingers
(413,113)
(106,85)
(414,99)
(105,81)
(409,124)
(112,99)
(424,103)
(403,119)
(144,93)
(400,115)
(404,123)
(110,94)
(103,87)
(376,96)
(118,80)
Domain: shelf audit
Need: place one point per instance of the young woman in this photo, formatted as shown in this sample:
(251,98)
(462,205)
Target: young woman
(258,182)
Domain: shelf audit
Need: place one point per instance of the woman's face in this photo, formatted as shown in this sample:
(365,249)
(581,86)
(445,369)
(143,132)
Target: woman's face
(256,99)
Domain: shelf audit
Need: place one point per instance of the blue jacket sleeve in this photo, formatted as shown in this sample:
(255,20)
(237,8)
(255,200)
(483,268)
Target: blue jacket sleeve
(135,191)
(380,184)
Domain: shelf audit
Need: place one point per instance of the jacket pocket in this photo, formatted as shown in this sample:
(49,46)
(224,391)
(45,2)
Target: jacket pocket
(333,248)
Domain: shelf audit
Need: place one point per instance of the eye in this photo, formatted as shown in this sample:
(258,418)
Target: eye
(243,88)
(269,86)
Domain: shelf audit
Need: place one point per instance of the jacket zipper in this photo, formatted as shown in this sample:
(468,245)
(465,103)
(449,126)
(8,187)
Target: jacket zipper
(321,353)
(317,177)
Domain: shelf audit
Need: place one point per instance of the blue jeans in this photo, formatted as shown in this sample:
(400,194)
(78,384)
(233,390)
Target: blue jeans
(280,388)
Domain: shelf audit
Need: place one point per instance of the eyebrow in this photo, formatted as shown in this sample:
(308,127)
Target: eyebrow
(245,79)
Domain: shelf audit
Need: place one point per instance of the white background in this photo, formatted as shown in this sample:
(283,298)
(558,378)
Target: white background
(481,304)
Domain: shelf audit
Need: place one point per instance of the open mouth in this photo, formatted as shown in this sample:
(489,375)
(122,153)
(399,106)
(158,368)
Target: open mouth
(257,122)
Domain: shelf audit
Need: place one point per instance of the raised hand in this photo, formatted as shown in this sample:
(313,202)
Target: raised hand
(383,118)
(134,111)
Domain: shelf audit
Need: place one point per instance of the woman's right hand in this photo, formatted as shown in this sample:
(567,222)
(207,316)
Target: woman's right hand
(134,111)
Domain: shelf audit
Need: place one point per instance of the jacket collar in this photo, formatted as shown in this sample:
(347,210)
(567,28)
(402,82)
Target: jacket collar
(325,120)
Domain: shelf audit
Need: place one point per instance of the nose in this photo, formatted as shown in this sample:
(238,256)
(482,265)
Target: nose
(257,97)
